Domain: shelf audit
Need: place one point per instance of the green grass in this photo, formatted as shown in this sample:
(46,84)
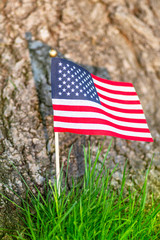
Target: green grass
(90,210)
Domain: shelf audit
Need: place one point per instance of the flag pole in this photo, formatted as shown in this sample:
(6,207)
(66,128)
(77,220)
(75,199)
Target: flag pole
(53,53)
(57,161)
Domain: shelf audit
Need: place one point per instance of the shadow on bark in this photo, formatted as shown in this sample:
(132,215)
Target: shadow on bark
(41,64)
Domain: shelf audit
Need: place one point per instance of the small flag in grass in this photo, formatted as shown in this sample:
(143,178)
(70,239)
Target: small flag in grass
(87,104)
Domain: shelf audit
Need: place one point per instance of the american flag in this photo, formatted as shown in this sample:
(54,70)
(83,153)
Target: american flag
(86,104)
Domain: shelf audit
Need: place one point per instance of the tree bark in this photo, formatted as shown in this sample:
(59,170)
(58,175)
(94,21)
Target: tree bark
(121,37)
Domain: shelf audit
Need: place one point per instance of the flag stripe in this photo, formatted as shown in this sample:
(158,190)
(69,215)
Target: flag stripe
(102,132)
(124,84)
(94,109)
(78,105)
(121,109)
(119,105)
(118,96)
(104,89)
(90,126)
(123,89)
(96,115)
(118,100)
(98,121)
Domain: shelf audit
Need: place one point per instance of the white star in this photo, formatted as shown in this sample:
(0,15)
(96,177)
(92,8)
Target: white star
(68,71)
(72,83)
(60,93)
(64,90)
(67,65)
(64,75)
(81,90)
(68,93)
(64,68)
(72,90)
(64,82)
(76,86)
(60,64)
(72,75)
(68,79)
(85,94)
(77,94)
(76,80)
(60,79)
(60,71)
(59,86)
(68,86)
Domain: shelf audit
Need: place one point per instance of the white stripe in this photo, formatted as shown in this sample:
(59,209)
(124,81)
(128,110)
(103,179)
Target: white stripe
(100,127)
(117,96)
(98,115)
(112,87)
(121,105)
(93,104)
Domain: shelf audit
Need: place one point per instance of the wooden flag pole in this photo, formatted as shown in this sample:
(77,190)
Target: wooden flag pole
(53,53)
(57,161)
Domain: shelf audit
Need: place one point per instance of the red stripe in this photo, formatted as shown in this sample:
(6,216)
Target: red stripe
(134,111)
(101,132)
(115,92)
(98,121)
(94,109)
(123,84)
(119,100)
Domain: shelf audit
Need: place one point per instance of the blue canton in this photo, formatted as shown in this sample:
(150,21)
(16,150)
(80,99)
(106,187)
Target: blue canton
(70,81)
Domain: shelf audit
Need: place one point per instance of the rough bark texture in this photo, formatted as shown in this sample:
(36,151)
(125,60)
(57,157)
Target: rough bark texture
(121,36)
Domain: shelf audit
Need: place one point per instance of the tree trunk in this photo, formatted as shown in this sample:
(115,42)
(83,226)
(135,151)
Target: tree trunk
(121,36)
